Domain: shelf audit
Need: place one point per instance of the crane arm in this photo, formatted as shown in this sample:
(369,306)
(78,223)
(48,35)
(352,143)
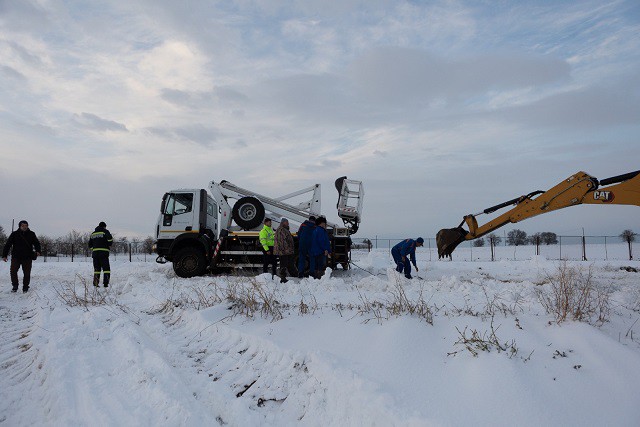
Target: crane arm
(579,188)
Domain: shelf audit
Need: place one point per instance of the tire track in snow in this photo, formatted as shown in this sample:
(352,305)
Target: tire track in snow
(251,380)
(21,364)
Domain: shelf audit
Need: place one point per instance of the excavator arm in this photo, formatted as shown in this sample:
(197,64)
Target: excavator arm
(579,188)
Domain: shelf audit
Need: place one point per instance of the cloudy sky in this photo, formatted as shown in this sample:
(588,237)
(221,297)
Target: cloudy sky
(441,108)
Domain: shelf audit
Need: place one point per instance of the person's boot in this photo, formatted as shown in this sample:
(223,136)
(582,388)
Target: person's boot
(283,280)
(106,285)
(14,289)
(25,289)
(96,280)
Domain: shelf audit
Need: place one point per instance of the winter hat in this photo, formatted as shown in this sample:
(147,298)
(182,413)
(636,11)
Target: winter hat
(321,220)
(266,219)
(312,218)
(23,222)
(102,224)
(420,240)
(283,219)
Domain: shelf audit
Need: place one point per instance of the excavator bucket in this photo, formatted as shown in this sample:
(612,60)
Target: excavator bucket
(448,239)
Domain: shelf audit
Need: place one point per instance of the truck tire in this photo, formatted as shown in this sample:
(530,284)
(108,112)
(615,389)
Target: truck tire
(248,212)
(189,262)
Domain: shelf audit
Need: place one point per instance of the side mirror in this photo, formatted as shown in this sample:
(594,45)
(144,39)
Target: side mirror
(164,202)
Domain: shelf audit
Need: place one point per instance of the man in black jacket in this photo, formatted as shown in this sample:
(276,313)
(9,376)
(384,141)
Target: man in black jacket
(24,242)
(100,241)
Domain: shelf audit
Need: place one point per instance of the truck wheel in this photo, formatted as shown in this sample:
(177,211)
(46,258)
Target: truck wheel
(248,212)
(189,262)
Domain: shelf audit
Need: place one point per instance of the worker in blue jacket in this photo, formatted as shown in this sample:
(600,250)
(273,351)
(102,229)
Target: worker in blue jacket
(320,248)
(404,252)
(305,235)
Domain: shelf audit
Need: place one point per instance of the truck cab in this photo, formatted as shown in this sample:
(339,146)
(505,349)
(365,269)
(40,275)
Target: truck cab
(186,226)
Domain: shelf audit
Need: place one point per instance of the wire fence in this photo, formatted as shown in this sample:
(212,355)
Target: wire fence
(80,252)
(584,248)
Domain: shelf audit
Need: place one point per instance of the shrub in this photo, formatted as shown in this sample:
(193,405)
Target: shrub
(574,295)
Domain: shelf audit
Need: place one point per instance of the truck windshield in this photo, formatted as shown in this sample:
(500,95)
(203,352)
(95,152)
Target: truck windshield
(179,203)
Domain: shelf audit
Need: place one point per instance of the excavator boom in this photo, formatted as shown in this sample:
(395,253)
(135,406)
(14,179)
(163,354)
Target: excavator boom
(579,188)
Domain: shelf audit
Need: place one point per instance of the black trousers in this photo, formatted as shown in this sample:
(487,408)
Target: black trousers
(287,264)
(16,263)
(269,258)
(101,262)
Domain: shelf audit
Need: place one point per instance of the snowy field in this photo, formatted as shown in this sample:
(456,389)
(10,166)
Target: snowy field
(464,343)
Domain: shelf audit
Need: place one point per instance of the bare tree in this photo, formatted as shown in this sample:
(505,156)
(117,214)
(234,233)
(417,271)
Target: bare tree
(516,237)
(549,238)
(628,236)
(78,241)
(3,237)
(147,245)
(135,242)
(494,238)
(48,245)
(534,239)
(478,243)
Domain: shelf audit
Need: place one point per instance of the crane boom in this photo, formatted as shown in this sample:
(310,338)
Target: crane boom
(579,188)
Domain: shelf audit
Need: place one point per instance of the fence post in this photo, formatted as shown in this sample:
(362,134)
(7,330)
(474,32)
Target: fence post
(537,245)
(606,254)
(129,252)
(492,244)
(72,252)
(560,247)
(584,249)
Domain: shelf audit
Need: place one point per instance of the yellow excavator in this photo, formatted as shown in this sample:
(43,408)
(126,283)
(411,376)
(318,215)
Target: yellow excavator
(579,188)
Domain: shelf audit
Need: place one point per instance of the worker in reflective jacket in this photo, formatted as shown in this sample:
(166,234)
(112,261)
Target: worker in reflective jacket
(267,237)
(405,251)
(100,241)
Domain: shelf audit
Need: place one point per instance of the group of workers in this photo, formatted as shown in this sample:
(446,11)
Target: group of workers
(313,248)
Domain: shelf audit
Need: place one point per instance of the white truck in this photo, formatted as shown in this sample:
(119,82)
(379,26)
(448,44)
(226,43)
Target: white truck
(200,231)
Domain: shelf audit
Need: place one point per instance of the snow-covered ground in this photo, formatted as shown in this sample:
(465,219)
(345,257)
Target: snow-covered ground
(359,347)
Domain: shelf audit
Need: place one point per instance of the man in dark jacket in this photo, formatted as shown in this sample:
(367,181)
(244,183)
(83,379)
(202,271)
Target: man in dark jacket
(305,234)
(320,248)
(100,243)
(24,242)
(404,252)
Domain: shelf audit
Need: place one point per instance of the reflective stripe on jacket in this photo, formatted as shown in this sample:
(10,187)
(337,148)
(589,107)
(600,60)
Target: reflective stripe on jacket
(100,240)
